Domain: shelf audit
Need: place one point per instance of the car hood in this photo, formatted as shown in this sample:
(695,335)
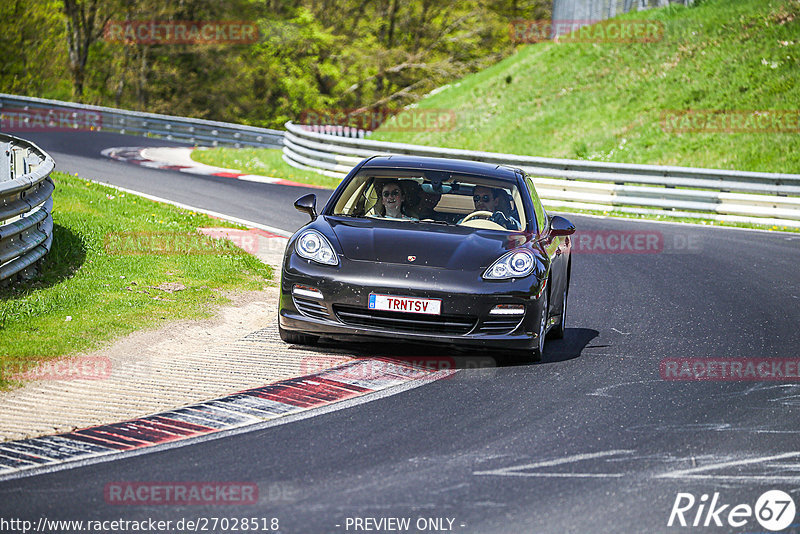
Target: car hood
(431,245)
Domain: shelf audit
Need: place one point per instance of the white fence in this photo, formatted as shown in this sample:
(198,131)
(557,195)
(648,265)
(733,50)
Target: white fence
(571,14)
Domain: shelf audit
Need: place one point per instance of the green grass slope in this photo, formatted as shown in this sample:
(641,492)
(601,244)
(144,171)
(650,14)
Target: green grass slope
(605,101)
(111,270)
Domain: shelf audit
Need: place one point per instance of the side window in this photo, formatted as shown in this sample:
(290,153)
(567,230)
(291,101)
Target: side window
(541,216)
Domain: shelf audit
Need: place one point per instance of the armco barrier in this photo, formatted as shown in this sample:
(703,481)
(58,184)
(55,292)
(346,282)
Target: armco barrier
(734,196)
(26,203)
(20,113)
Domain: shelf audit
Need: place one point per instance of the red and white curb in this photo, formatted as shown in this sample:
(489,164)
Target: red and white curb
(180,159)
(241,410)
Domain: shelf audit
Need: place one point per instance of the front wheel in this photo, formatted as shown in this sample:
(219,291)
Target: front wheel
(537,353)
(557,332)
(296,338)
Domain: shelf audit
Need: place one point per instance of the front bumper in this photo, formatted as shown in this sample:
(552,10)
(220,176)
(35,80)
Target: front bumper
(467,299)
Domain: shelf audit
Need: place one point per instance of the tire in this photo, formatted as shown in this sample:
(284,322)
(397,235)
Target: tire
(538,352)
(557,332)
(296,338)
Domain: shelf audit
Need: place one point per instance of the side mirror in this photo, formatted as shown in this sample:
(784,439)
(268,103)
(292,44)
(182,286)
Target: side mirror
(308,204)
(561,226)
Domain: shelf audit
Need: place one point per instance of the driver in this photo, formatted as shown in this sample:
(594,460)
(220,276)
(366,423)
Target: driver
(490,199)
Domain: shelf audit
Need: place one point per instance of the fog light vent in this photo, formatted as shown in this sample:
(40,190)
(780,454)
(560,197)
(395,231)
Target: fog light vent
(508,309)
(306,291)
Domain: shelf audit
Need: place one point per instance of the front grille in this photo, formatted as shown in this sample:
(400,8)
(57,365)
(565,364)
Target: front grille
(311,307)
(451,325)
(499,325)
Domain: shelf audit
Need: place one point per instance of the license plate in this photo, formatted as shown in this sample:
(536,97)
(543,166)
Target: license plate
(405,304)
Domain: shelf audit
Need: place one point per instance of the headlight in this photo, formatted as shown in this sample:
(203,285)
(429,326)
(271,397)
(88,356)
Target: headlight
(514,264)
(312,245)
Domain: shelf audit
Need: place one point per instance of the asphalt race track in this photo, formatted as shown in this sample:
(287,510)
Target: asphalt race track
(80,152)
(592,439)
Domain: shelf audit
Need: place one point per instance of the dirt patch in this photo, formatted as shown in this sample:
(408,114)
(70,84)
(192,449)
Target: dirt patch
(179,363)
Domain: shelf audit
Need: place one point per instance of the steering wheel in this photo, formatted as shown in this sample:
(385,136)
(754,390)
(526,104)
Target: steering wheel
(477,214)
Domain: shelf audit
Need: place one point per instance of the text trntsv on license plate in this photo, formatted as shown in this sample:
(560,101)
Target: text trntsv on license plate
(405,304)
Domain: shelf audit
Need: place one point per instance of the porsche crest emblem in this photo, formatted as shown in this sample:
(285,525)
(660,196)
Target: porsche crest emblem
(412,258)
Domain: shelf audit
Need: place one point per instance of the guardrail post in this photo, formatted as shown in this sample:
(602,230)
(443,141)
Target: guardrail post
(6,172)
(18,162)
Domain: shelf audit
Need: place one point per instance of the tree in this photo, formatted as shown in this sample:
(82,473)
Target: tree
(375,55)
(85,21)
(30,47)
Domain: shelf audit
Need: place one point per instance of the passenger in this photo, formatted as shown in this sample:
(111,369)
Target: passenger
(422,204)
(492,200)
(413,193)
(427,202)
(392,201)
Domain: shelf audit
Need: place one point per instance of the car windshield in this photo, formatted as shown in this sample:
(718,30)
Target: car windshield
(433,197)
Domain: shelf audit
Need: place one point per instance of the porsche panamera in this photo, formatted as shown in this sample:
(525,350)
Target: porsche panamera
(429,250)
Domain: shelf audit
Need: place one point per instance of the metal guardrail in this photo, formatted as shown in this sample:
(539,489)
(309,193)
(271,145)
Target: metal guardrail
(18,113)
(733,196)
(26,204)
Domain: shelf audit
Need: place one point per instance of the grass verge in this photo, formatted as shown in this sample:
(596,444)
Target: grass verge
(263,162)
(613,101)
(91,289)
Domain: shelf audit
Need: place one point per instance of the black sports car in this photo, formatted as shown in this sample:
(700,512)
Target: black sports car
(428,250)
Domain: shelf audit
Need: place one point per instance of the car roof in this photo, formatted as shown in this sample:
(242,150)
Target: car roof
(461,166)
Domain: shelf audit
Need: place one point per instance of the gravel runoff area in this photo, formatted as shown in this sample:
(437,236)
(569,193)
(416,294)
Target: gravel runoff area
(178,364)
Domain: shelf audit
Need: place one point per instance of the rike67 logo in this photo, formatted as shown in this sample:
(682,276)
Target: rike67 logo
(774,510)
